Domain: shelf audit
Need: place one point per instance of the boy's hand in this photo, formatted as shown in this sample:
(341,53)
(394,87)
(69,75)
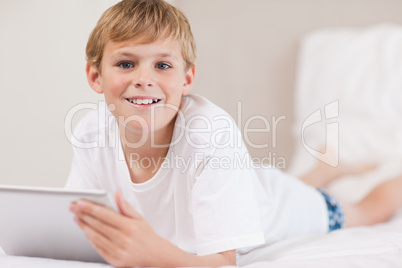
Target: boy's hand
(124,239)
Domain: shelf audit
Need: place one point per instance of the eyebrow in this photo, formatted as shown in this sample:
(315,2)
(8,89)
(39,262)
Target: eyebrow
(165,55)
(129,54)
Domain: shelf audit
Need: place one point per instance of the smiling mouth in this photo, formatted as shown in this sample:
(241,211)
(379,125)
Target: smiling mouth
(143,101)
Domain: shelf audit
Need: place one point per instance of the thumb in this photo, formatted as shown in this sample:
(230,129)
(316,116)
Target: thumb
(124,207)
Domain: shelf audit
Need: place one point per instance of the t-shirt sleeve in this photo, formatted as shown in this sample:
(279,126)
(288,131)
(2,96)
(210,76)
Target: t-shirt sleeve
(225,210)
(81,176)
(85,153)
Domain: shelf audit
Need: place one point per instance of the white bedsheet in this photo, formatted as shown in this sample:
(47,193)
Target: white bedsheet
(376,246)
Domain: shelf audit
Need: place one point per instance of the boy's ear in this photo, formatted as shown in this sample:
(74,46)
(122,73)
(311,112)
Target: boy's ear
(93,77)
(190,75)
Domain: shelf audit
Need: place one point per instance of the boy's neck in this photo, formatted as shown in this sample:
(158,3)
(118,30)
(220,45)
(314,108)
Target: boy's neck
(154,150)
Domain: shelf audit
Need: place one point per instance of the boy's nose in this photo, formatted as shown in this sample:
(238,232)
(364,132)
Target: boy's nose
(142,83)
(142,79)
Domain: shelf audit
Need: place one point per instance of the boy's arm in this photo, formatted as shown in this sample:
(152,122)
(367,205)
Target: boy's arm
(127,239)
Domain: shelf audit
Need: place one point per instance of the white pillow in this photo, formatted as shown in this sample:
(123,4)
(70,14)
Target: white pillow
(358,74)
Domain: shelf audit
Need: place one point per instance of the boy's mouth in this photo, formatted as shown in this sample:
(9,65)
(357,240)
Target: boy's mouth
(143,101)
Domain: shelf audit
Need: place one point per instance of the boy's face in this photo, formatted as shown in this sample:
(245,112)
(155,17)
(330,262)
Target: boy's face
(142,83)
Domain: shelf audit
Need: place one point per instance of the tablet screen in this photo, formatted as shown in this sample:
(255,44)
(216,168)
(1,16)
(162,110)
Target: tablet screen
(36,222)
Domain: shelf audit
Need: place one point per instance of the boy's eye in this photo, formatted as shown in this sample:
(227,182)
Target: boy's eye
(163,66)
(125,65)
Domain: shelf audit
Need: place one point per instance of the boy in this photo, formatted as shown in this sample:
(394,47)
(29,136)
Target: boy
(178,160)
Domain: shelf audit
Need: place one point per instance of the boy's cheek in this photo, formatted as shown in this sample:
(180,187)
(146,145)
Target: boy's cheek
(116,85)
(174,86)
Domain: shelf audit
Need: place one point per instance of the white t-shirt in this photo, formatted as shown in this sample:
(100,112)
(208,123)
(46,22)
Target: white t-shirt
(208,196)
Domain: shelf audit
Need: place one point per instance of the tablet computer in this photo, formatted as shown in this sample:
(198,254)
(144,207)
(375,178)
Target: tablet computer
(37,222)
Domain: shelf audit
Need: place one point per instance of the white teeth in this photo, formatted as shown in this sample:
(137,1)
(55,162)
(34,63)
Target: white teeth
(143,101)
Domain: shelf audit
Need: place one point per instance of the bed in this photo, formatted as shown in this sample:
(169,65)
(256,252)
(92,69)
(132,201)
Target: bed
(353,78)
(377,246)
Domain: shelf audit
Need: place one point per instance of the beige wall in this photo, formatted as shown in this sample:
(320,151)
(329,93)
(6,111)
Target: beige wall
(247,52)
(42,63)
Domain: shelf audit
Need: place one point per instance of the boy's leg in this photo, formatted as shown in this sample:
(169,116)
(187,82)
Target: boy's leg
(378,206)
(323,174)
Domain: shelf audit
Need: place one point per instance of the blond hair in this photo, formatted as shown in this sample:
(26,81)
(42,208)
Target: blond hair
(143,21)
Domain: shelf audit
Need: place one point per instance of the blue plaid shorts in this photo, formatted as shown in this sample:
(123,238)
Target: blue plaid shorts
(335,212)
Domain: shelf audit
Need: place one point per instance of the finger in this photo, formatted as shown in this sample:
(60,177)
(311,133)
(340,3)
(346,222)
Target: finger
(79,222)
(125,208)
(101,243)
(100,227)
(100,212)
(106,255)
(105,247)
